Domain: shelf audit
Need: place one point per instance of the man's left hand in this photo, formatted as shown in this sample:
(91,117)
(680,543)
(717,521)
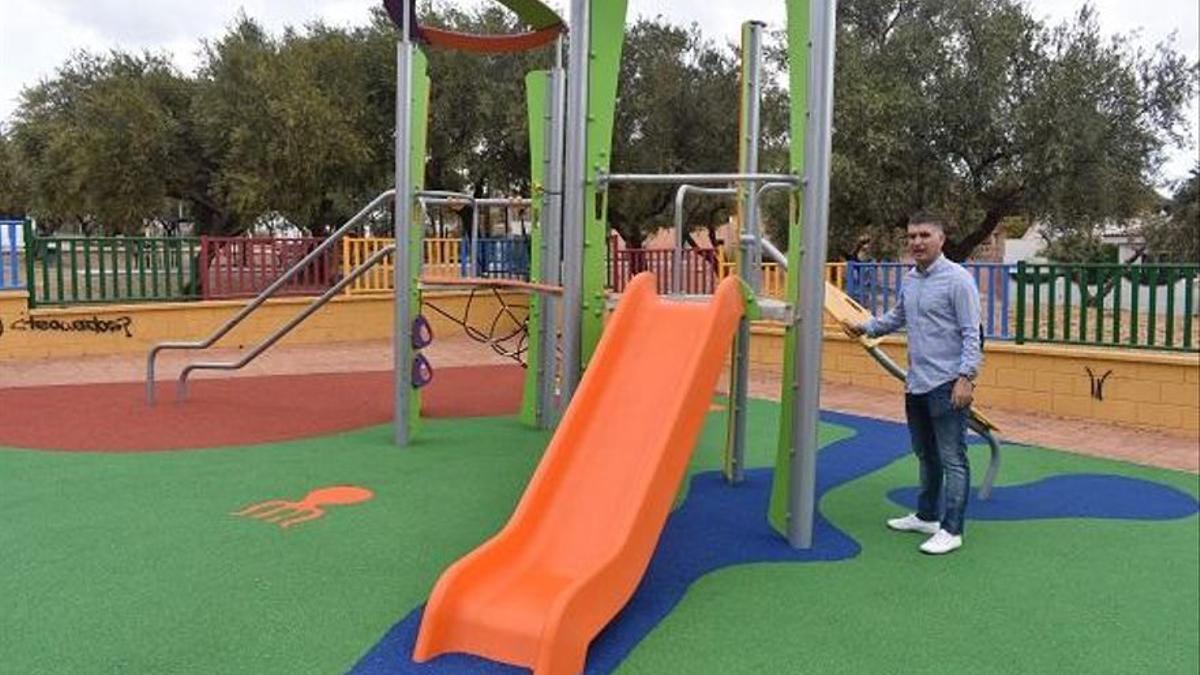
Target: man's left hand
(963,393)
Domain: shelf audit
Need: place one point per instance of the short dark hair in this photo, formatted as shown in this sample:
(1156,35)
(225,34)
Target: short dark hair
(927,218)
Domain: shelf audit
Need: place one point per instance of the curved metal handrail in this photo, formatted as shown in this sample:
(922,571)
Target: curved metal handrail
(181,383)
(262,297)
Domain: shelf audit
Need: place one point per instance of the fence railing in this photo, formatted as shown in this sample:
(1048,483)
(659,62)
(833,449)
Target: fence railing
(876,286)
(11,254)
(496,258)
(1130,306)
(701,268)
(92,270)
(506,258)
(242,267)
(378,279)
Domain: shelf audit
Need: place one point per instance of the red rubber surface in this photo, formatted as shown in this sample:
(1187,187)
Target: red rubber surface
(237,411)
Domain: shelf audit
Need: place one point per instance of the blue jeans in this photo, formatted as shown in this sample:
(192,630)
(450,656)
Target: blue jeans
(939,439)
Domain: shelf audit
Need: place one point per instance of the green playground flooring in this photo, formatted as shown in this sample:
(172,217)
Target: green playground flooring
(133,563)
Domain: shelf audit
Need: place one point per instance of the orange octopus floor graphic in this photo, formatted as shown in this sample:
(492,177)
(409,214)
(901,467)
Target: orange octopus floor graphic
(285,514)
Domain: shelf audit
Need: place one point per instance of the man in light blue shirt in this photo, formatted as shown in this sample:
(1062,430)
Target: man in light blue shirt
(939,307)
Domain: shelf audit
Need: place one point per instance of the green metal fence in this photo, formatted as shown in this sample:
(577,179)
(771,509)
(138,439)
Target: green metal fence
(1108,305)
(105,270)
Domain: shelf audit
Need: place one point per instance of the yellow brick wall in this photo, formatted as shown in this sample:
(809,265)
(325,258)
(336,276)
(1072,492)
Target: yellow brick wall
(345,319)
(1150,390)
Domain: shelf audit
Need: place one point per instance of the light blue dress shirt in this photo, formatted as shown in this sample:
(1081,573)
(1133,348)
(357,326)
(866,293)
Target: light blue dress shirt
(939,307)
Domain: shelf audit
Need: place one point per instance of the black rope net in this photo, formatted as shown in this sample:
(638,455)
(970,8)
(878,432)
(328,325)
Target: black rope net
(509,339)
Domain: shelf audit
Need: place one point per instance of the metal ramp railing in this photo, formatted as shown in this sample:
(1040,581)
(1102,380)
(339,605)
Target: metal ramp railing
(224,329)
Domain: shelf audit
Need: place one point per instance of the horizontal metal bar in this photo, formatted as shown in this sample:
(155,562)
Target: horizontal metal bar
(504,201)
(445,194)
(604,180)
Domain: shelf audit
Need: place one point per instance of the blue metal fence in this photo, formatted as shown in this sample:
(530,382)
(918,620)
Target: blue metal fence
(10,254)
(876,286)
(496,258)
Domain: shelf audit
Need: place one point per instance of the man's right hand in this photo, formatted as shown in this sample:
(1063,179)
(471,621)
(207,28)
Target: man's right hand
(854,330)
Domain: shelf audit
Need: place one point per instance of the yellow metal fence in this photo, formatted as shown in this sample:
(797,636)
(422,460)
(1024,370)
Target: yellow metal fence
(441,258)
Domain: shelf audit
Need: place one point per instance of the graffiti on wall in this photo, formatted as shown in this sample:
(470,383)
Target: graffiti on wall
(1097,383)
(121,325)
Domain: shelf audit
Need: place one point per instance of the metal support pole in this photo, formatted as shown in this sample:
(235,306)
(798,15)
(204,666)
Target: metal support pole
(402,275)
(809,318)
(680,198)
(750,255)
(574,195)
(752,53)
(548,409)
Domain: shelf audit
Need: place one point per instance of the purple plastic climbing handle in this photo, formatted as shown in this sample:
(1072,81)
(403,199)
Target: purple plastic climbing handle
(422,371)
(422,332)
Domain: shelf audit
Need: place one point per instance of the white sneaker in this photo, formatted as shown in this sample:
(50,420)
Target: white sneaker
(911,523)
(942,542)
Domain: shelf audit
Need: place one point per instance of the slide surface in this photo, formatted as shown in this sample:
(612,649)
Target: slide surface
(571,555)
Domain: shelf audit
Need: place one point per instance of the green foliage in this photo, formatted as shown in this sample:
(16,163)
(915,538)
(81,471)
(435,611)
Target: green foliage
(1174,235)
(973,108)
(676,112)
(13,189)
(293,129)
(104,141)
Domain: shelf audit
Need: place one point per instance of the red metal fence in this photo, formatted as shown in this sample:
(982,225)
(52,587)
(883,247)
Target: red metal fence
(700,268)
(239,267)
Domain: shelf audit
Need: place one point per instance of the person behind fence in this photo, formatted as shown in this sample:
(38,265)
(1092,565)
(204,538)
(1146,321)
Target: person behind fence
(939,307)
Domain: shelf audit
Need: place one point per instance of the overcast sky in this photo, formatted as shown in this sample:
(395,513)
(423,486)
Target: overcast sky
(38,35)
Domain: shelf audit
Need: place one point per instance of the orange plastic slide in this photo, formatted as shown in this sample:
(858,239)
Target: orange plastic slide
(582,535)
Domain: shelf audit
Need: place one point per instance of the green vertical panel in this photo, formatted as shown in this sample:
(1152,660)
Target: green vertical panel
(44,249)
(141,266)
(116,268)
(1067,303)
(416,236)
(1135,276)
(154,249)
(1152,306)
(1051,299)
(177,246)
(798,54)
(58,269)
(1116,308)
(1170,291)
(607,38)
(1188,307)
(87,268)
(74,270)
(1037,302)
(101,268)
(1103,275)
(536,84)
(1081,281)
(127,254)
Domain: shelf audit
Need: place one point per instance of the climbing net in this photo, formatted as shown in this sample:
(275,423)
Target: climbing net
(506,331)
